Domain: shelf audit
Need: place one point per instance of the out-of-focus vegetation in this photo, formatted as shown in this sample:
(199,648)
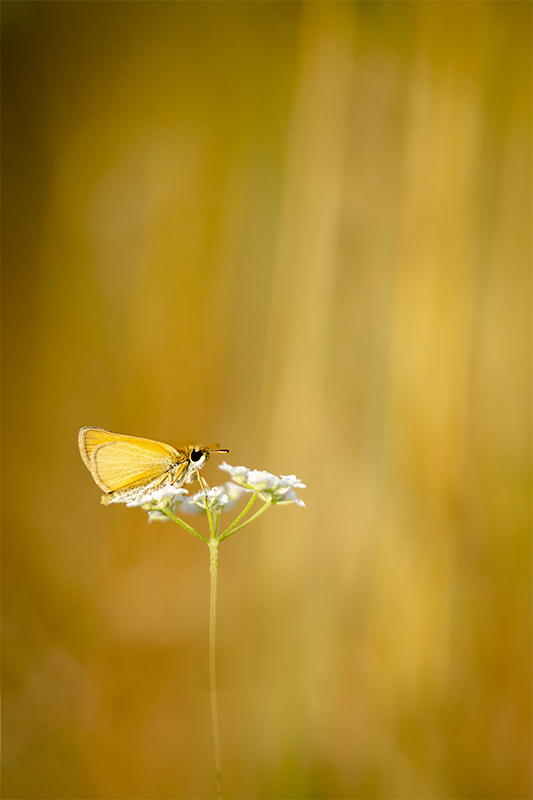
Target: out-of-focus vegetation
(302,230)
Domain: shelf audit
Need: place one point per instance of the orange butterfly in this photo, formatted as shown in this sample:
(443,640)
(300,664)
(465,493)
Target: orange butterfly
(126,466)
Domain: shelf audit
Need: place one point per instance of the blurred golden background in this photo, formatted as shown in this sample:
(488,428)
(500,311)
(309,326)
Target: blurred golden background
(303,230)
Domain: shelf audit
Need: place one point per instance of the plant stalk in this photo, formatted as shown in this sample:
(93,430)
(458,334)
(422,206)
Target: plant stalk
(213,568)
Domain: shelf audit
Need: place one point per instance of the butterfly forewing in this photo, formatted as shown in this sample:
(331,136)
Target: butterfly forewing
(117,461)
(89,438)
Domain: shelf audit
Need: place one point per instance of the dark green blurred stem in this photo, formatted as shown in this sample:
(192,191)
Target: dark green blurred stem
(213,567)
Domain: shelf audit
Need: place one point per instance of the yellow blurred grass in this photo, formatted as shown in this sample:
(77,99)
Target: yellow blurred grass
(302,230)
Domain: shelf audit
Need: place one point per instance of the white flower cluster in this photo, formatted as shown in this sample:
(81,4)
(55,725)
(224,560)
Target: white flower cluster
(270,487)
(166,495)
(217,499)
(221,498)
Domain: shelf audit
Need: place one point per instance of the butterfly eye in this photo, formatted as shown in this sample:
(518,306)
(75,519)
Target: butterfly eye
(196,455)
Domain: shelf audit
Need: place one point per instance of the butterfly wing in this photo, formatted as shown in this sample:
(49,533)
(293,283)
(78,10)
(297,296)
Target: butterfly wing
(119,462)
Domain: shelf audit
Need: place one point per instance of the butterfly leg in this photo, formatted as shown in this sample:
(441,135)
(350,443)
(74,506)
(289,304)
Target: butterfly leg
(203,483)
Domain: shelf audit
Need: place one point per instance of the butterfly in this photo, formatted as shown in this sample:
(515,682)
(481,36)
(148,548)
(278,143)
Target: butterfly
(126,467)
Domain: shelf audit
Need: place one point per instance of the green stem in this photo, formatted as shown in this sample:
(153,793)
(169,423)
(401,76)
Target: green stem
(183,524)
(209,518)
(232,527)
(213,564)
(231,530)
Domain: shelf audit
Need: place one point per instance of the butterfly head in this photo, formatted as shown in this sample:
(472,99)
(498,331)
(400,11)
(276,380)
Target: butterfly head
(198,455)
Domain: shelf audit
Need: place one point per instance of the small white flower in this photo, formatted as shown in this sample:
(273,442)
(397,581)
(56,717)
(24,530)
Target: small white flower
(219,498)
(253,479)
(269,486)
(286,495)
(293,481)
(166,495)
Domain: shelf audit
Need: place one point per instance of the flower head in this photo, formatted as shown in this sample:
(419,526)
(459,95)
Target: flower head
(217,499)
(270,487)
(166,495)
